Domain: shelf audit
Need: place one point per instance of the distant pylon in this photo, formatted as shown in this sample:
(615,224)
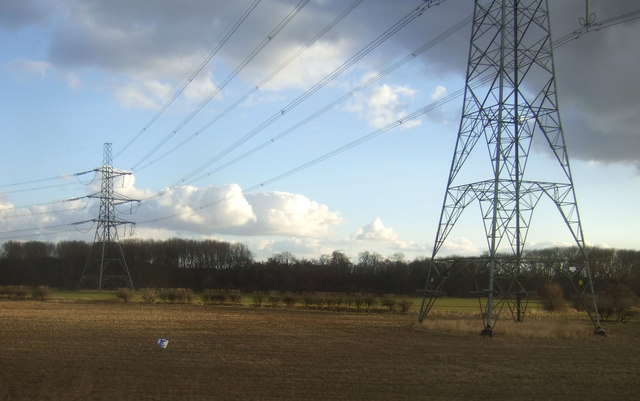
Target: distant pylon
(106,264)
(510,98)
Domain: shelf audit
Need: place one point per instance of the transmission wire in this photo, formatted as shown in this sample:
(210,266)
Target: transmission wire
(632,16)
(346,96)
(226,81)
(571,36)
(244,97)
(58,177)
(193,75)
(359,55)
(430,107)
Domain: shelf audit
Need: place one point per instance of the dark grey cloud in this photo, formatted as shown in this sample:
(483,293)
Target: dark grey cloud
(597,85)
(596,76)
(18,14)
(148,36)
(135,36)
(164,39)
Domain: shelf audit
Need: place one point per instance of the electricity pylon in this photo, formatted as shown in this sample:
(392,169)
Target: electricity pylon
(510,99)
(106,263)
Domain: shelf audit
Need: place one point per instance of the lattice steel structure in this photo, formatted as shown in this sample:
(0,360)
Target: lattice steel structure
(106,265)
(510,98)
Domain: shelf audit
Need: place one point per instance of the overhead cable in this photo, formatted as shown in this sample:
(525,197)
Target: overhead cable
(450,31)
(597,26)
(34,181)
(346,96)
(259,85)
(226,81)
(199,68)
(320,84)
(430,107)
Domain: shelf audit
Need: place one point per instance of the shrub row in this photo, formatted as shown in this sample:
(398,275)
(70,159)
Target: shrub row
(332,301)
(221,297)
(154,295)
(21,292)
(311,300)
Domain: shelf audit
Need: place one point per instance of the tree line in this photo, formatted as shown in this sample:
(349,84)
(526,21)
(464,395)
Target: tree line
(210,264)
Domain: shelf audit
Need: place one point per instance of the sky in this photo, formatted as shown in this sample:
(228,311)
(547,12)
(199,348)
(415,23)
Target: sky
(232,122)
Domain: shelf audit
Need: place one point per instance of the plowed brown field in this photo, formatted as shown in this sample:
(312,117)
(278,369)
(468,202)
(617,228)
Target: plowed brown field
(108,351)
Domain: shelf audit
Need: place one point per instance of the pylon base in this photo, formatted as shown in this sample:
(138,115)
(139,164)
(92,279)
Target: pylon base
(487,332)
(600,332)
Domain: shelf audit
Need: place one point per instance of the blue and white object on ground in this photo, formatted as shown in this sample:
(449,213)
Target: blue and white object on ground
(163,342)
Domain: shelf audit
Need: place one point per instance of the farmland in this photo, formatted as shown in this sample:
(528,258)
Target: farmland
(106,350)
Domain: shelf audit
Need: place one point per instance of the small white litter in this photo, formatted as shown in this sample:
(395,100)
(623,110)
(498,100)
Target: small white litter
(163,342)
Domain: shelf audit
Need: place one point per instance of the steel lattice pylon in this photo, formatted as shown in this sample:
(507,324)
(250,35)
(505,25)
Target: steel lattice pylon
(106,264)
(510,98)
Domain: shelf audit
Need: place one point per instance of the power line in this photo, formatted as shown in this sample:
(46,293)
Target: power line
(226,37)
(38,180)
(369,82)
(44,213)
(565,39)
(417,12)
(244,97)
(332,105)
(430,107)
(346,96)
(597,26)
(226,81)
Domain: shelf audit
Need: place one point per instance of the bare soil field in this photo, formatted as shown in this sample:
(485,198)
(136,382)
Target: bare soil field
(108,351)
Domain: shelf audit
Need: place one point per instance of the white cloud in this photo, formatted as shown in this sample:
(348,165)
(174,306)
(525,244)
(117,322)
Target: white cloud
(199,210)
(376,236)
(35,218)
(142,95)
(196,212)
(438,93)
(385,104)
(313,64)
(282,213)
(200,88)
(307,248)
(376,231)
(459,247)
(227,210)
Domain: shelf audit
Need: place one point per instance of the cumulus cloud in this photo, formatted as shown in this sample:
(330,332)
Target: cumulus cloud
(438,93)
(376,235)
(142,95)
(460,247)
(17,221)
(384,105)
(315,63)
(376,231)
(309,248)
(200,88)
(227,210)
(282,213)
(142,49)
(193,211)
(197,210)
